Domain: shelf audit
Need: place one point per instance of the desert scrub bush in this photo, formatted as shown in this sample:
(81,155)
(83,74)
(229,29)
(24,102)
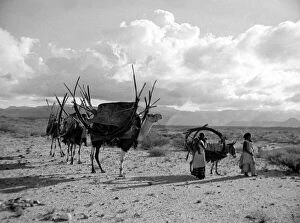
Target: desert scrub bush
(289,157)
(178,143)
(258,216)
(157,152)
(8,128)
(154,140)
(23,126)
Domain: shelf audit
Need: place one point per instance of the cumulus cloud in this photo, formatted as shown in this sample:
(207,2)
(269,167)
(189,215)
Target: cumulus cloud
(61,52)
(17,61)
(257,69)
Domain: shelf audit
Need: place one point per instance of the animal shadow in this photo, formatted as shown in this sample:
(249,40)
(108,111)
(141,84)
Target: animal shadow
(17,184)
(179,180)
(13,166)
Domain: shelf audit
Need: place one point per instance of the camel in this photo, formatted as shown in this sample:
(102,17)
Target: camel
(73,134)
(134,135)
(52,130)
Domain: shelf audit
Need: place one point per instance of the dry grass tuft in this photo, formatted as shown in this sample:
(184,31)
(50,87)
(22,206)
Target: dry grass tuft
(157,152)
(23,126)
(289,157)
(154,140)
(258,216)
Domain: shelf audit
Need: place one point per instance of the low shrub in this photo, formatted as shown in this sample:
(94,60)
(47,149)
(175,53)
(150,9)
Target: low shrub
(178,143)
(8,128)
(154,140)
(289,157)
(258,216)
(25,127)
(156,152)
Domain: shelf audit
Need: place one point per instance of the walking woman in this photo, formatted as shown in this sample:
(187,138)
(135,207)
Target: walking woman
(247,161)
(198,161)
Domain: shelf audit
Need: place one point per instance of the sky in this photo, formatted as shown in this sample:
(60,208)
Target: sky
(204,54)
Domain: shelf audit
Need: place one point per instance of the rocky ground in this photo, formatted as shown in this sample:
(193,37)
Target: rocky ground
(37,187)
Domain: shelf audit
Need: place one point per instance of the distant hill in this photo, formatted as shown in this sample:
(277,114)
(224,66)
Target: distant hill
(29,112)
(291,122)
(183,118)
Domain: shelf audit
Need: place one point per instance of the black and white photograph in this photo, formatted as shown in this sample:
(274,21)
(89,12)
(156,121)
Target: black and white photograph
(144,111)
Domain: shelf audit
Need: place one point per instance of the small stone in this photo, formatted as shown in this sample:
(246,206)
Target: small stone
(83,216)
(19,211)
(136,215)
(62,217)
(250,217)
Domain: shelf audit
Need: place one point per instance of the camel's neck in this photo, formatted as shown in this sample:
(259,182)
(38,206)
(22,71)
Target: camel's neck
(145,129)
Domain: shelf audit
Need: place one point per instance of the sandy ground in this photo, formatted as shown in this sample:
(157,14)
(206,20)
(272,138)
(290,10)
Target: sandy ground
(155,189)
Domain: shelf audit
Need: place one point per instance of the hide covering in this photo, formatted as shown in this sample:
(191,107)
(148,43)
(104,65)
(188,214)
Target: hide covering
(115,114)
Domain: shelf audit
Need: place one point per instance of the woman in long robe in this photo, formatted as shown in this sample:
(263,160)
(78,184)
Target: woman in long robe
(198,161)
(247,161)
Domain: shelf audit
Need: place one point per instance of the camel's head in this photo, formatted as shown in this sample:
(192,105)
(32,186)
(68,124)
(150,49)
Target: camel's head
(147,124)
(153,117)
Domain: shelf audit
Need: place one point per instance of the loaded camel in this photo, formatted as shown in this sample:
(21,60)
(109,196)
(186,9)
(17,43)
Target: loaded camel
(214,152)
(72,133)
(52,130)
(116,122)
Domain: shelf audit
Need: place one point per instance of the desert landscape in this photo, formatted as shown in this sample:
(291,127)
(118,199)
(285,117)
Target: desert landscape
(157,187)
(138,79)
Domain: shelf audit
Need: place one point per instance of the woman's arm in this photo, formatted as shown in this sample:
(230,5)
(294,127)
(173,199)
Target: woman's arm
(246,148)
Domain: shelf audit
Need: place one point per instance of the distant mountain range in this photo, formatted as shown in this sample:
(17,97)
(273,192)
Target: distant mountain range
(175,117)
(291,122)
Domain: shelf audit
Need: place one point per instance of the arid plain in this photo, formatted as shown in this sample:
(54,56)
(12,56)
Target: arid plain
(157,188)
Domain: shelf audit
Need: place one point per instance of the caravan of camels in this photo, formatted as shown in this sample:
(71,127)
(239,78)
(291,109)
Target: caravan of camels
(117,124)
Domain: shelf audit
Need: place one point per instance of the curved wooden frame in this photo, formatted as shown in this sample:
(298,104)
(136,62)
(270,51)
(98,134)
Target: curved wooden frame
(193,132)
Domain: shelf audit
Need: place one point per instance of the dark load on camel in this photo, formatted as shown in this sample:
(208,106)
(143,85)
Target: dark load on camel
(113,118)
(116,113)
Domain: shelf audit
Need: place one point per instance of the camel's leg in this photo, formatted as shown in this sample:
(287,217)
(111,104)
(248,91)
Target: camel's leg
(62,154)
(212,167)
(92,159)
(73,151)
(51,146)
(79,148)
(72,154)
(122,155)
(97,158)
(217,168)
(68,151)
(53,152)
